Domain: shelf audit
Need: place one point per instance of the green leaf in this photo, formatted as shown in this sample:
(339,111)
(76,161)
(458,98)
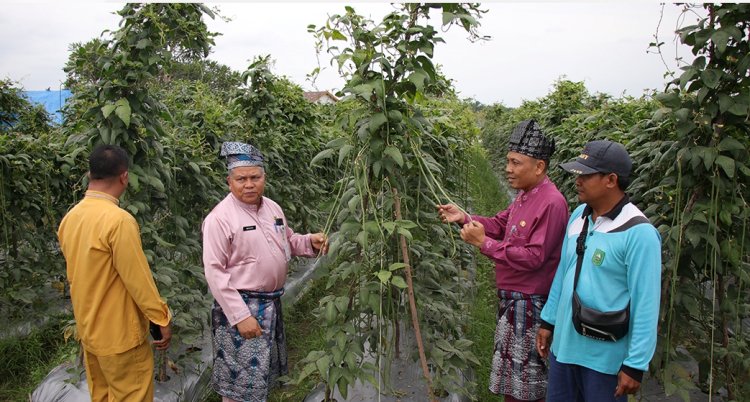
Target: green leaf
(322,364)
(336,143)
(406,233)
(326,153)
(394,154)
(376,166)
(106,134)
(389,226)
(384,276)
(418,79)
(363,90)
(395,116)
(738,109)
(398,282)
(406,224)
(161,241)
(156,183)
(686,77)
(720,38)
(343,152)
(730,144)
(711,77)
(342,303)
(133,181)
(396,265)
(448,17)
(108,109)
(725,102)
(376,121)
(669,99)
(330,312)
(343,385)
(143,43)
(354,202)
(337,35)
(727,164)
(702,94)
(123,111)
(195,167)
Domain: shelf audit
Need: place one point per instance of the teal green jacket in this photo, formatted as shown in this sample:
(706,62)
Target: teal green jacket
(621,264)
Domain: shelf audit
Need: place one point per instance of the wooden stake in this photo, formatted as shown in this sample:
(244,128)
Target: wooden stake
(412,303)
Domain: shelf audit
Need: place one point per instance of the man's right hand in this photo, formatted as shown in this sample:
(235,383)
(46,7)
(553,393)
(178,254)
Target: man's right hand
(249,328)
(543,341)
(450,213)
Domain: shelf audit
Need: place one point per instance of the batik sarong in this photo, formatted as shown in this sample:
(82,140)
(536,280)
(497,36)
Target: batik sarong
(517,369)
(246,369)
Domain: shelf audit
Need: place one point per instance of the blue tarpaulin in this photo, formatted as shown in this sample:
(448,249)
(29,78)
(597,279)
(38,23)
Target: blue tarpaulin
(52,101)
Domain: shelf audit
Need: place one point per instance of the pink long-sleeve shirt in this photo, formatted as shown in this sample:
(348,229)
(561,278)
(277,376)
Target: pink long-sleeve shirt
(245,249)
(525,239)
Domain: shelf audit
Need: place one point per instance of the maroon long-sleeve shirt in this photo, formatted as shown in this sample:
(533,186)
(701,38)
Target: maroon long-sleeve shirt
(525,239)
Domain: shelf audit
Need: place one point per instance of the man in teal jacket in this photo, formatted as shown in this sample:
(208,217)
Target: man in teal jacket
(619,271)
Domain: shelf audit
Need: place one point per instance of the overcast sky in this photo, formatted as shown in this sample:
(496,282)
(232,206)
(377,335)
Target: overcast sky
(533,44)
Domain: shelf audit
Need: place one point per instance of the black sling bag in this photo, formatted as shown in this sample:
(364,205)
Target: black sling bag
(604,326)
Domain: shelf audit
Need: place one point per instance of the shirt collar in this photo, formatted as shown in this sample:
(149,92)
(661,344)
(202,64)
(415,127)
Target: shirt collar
(102,195)
(244,205)
(536,188)
(612,214)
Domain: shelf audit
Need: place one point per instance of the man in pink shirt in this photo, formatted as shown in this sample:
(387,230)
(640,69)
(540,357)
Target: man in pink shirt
(524,241)
(246,247)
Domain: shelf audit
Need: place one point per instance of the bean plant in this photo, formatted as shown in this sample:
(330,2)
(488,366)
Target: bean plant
(398,161)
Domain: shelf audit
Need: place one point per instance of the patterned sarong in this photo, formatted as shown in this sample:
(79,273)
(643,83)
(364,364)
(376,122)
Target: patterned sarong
(517,369)
(246,369)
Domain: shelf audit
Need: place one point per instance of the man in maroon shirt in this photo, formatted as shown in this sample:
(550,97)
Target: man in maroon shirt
(524,241)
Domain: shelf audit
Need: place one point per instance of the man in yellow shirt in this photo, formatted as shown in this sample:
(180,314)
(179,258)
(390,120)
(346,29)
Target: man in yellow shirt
(111,286)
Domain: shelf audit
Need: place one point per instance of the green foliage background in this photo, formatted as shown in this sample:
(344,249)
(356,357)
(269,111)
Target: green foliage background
(148,87)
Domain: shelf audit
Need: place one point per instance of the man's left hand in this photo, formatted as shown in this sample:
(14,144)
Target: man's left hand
(166,337)
(473,233)
(319,242)
(626,384)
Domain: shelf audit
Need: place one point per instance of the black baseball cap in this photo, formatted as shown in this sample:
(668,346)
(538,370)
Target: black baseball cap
(601,156)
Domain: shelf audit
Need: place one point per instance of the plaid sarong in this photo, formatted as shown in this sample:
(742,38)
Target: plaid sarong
(246,369)
(517,369)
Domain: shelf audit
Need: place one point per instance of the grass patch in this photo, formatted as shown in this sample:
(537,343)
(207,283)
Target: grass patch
(303,334)
(481,327)
(27,360)
(488,196)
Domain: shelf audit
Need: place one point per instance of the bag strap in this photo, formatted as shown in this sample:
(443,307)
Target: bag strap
(581,248)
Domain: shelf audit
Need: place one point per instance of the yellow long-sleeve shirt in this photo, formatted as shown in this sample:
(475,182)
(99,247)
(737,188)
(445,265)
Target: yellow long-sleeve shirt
(111,285)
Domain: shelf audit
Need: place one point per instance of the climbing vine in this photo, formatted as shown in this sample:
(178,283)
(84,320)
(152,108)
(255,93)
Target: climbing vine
(114,102)
(707,271)
(392,255)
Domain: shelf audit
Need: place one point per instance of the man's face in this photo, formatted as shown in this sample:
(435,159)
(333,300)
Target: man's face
(247,183)
(523,171)
(592,187)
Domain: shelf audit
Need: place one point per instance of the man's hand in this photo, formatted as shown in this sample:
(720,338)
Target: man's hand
(473,233)
(166,337)
(249,328)
(626,384)
(543,341)
(319,242)
(450,213)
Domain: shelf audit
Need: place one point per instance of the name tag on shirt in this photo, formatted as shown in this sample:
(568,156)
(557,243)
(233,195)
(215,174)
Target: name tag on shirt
(246,228)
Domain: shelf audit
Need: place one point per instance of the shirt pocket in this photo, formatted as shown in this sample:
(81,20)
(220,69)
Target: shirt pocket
(245,247)
(517,236)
